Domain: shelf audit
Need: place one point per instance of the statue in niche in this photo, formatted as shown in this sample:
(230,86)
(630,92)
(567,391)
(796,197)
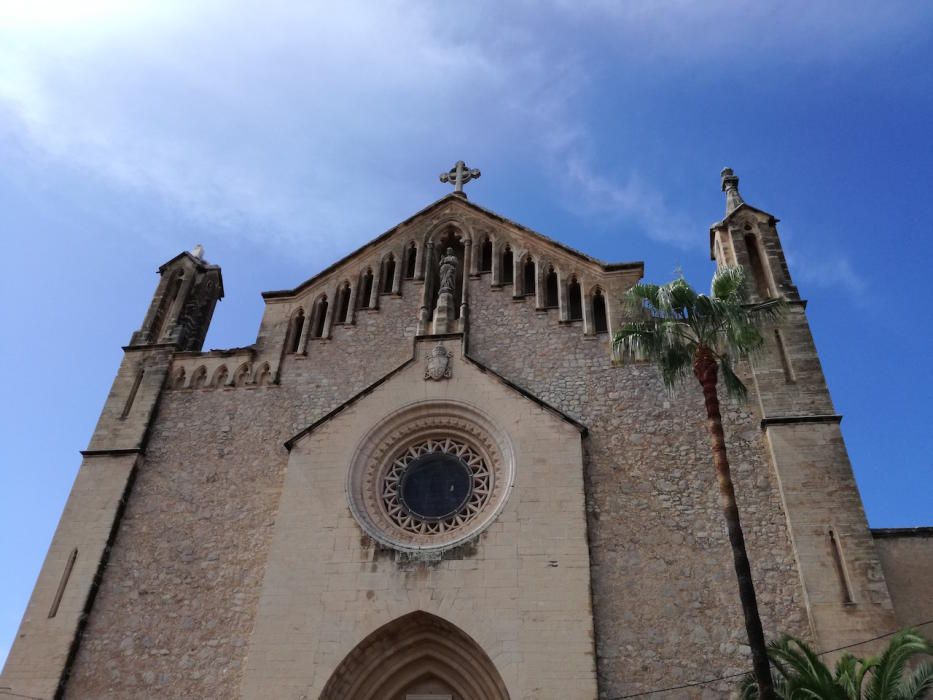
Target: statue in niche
(449,266)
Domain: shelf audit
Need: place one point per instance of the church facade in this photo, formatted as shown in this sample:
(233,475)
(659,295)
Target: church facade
(428,479)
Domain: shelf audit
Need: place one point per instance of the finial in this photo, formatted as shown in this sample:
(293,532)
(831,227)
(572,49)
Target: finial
(460,175)
(730,185)
(198,251)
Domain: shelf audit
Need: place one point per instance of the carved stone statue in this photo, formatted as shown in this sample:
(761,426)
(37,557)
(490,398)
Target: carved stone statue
(449,266)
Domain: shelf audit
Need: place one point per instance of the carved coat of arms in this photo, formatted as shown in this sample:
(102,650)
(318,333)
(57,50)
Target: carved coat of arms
(438,366)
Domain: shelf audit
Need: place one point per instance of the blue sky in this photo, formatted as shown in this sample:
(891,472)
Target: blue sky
(283,135)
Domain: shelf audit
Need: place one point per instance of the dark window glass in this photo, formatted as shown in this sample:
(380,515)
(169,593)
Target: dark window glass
(485,258)
(507,277)
(599,313)
(529,277)
(576,300)
(436,486)
(411,257)
(366,289)
(388,275)
(550,290)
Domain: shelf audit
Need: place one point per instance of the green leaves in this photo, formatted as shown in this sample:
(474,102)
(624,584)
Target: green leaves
(801,673)
(672,322)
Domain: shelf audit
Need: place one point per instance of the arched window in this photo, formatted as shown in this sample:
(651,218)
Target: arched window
(757,265)
(199,378)
(293,338)
(411,257)
(366,288)
(343,303)
(529,274)
(485,255)
(178,380)
(220,377)
(241,376)
(320,315)
(600,319)
(551,296)
(507,276)
(388,273)
(575,297)
(264,375)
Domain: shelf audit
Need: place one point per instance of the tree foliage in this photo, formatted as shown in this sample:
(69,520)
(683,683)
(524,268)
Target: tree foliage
(801,675)
(672,323)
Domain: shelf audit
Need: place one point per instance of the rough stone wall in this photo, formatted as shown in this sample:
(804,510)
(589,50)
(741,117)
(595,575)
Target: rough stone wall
(176,603)
(664,591)
(178,600)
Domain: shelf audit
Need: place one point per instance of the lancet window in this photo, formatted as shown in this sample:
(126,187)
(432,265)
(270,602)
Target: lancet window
(343,303)
(411,259)
(575,299)
(293,338)
(388,273)
(600,317)
(320,315)
(485,255)
(551,294)
(366,288)
(507,276)
(529,273)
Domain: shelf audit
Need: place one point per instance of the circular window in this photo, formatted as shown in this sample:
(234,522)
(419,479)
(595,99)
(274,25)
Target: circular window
(435,486)
(430,477)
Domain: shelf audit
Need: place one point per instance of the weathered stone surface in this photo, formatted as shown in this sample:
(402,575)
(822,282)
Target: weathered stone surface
(179,601)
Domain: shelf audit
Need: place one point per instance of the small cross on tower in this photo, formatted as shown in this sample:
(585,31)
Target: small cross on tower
(460,175)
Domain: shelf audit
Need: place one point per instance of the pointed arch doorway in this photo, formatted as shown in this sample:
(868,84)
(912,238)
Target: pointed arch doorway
(417,657)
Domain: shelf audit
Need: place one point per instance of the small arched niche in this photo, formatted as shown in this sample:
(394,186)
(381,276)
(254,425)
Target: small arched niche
(416,654)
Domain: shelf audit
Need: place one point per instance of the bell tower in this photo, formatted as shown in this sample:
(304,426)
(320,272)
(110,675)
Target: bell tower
(845,592)
(177,320)
(183,303)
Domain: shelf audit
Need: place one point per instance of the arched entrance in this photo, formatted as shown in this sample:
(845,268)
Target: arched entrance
(418,656)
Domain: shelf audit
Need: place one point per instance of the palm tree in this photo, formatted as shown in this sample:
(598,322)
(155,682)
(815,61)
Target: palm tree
(801,674)
(682,331)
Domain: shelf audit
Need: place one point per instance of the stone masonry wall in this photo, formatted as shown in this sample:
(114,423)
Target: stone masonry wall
(177,602)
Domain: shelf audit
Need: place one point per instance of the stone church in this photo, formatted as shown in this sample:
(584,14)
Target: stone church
(428,479)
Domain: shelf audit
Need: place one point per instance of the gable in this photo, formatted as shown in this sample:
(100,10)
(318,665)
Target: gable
(474,221)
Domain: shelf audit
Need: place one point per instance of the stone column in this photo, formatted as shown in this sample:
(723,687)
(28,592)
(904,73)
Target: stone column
(305,330)
(587,301)
(419,261)
(467,266)
(334,299)
(562,297)
(496,266)
(474,262)
(540,292)
(424,313)
(517,273)
(351,305)
(377,287)
(397,277)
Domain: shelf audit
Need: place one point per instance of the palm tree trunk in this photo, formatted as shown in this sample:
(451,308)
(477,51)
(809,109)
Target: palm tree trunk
(706,371)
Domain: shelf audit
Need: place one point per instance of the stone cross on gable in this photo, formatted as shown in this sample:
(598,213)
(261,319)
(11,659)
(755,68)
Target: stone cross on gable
(459,175)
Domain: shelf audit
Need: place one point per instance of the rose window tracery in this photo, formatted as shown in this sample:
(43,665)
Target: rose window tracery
(435,486)
(430,476)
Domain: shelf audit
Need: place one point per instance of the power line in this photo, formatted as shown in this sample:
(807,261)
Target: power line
(745,673)
(10,693)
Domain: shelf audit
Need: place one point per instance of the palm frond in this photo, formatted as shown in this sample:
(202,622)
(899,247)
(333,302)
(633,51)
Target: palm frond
(734,386)
(918,683)
(886,678)
(729,284)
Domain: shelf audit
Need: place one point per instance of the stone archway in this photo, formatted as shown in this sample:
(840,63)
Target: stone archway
(417,655)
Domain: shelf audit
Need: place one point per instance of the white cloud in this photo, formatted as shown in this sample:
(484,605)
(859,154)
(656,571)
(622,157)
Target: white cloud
(278,121)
